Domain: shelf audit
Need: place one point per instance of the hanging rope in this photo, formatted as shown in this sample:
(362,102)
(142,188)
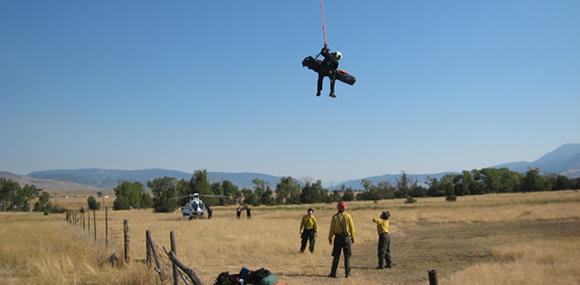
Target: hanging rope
(323,26)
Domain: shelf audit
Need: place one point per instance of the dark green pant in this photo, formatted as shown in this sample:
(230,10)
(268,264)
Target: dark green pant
(308,234)
(384,250)
(341,243)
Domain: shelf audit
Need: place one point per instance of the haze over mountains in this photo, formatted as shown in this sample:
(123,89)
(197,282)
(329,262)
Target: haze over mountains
(563,160)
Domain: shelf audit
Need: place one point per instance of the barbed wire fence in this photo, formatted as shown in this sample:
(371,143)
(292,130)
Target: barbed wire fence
(161,263)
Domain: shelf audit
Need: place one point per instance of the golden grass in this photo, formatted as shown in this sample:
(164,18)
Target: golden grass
(36,248)
(535,262)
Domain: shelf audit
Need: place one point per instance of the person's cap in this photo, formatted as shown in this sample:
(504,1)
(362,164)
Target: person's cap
(310,209)
(341,206)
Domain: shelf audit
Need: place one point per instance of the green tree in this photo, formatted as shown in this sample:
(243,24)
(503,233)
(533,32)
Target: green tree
(286,191)
(266,197)
(216,189)
(560,182)
(308,194)
(491,180)
(146,200)
(386,190)
(348,195)
(14,198)
(404,185)
(478,185)
(370,191)
(231,191)
(510,180)
(164,189)
(199,184)
(128,195)
(43,203)
(259,187)
(435,187)
(533,181)
(250,197)
(313,193)
(93,204)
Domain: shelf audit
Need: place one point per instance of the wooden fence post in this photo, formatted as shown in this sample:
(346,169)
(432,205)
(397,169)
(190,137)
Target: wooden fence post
(83,214)
(187,270)
(433,277)
(154,253)
(89,221)
(148,247)
(126,234)
(174,250)
(95,223)
(106,226)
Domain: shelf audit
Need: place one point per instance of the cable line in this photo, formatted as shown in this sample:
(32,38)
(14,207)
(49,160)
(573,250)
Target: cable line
(323,25)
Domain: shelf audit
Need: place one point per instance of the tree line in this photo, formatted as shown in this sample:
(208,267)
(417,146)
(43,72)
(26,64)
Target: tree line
(289,191)
(162,197)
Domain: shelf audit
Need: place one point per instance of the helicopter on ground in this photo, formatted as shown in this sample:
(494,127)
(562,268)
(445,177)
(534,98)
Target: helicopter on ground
(195,208)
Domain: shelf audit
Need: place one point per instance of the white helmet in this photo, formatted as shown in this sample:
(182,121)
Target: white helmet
(338,55)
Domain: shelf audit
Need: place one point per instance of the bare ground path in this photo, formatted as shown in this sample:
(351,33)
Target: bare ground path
(447,247)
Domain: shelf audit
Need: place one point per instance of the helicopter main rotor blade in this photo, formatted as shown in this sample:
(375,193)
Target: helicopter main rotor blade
(179,197)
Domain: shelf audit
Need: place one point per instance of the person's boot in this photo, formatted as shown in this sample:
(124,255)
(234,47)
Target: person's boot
(318,93)
(381,264)
(332,95)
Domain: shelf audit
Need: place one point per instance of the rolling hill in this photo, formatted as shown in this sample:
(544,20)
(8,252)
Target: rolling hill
(47,184)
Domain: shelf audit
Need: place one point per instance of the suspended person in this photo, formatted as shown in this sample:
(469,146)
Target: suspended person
(308,230)
(342,228)
(384,252)
(328,68)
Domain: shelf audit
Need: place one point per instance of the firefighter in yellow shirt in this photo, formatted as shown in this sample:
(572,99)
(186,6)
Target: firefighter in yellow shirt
(342,228)
(384,253)
(308,230)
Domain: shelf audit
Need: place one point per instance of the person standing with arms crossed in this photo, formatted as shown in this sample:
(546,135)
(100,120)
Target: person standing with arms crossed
(308,230)
(384,252)
(342,228)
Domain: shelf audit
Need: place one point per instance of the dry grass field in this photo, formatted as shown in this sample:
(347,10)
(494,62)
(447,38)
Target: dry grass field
(492,239)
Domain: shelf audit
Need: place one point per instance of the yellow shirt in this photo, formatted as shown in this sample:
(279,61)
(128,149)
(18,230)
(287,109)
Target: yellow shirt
(382,225)
(341,224)
(309,222)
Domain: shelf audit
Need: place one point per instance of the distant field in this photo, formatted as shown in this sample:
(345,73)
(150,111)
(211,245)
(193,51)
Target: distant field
(78,199)
(491,239)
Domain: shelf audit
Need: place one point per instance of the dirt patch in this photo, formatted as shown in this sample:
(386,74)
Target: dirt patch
(448,248)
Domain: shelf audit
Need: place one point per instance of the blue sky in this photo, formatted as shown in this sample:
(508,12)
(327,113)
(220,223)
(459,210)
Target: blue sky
(218,85)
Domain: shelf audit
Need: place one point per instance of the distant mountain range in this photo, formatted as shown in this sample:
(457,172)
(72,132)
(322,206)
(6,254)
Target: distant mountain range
(47,184)
(563,160)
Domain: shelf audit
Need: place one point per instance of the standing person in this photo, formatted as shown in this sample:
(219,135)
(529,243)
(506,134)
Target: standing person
(209,213)
(342,228)
(239,213)
(248,213)
(308,230)
(384,252)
